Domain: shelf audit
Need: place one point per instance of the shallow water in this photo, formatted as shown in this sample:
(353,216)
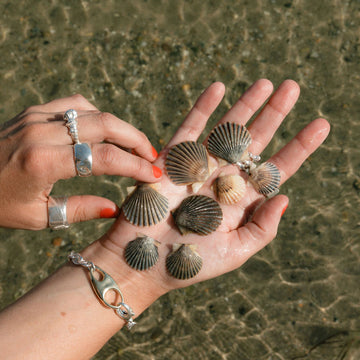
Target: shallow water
(147,61)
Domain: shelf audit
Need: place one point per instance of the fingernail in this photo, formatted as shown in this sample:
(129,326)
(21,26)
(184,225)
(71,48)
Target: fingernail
(109,213)
(284,209)
(154,152)
(156,171)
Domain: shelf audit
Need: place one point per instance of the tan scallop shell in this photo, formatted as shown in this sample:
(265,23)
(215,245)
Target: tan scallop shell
(229,141)
(142,253)
(145,206)
(184,262)
(229,189)
(187,163)
(265,178)
(198,214)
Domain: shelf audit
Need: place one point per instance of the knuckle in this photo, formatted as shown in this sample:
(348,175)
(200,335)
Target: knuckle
(191,132)
(33,159)
(80,213)
(78,98)
(105,119)
(108,155)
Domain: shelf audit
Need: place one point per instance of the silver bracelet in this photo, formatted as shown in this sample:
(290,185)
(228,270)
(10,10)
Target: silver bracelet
(102,286)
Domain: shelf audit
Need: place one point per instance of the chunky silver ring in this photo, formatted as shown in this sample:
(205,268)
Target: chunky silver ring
(83,159)
(57,213)
(70,117)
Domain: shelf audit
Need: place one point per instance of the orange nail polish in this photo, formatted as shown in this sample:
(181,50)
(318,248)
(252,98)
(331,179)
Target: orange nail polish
(108,213)
(156,171)
(154,152)
(284,209)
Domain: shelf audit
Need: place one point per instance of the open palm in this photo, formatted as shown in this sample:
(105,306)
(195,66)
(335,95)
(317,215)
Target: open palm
(252,223)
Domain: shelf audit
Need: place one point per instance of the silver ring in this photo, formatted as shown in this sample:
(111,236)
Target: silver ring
(57,213)
(83,159)
(70,117)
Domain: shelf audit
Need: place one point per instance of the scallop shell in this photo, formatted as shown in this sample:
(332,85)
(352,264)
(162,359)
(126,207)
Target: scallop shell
(265,178)
(145,206)
(229,189)
(187,163)
(229,141)
(142,253)
(198,214)
(184,262)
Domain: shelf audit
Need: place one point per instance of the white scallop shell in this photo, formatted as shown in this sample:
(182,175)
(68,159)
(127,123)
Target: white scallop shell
(187,163)
(229,189)
(229,141)
(184,262)
(265,178)
(198,214)
(145,206)
(142,252)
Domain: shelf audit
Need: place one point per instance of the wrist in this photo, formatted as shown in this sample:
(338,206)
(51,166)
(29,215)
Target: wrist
(138,288)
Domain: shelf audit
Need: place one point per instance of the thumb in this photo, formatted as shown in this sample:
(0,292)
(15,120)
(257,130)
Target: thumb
(262,228)
(88,207)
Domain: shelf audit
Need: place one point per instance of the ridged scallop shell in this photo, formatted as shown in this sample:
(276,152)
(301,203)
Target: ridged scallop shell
(184,262)
(265,178)
(229,189)
(145,206)
(229,141)
(142,253)
(199,214)
(187,163)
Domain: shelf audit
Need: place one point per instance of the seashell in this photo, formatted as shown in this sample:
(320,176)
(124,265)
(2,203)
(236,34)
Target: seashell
(199,214)
(229,189)
(142,253)
(187,163)
(184,262)
(229,141)
(145,206)
(265,178)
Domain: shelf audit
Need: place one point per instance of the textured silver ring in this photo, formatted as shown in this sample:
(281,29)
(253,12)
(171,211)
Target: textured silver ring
(70,117)
(83,159)
(57,213)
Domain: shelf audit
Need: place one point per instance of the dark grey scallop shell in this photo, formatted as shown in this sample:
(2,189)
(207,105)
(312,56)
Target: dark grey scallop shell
(229,141)
(145,206)
(184,262)
(187,163)
(265,178)
(142,253)
(198,214)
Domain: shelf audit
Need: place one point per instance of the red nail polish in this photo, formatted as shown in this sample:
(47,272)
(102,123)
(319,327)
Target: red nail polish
(108,213)
(154,152)
(284,209)
(156,171)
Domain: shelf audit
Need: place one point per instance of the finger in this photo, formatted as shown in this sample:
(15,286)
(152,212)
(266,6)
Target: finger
(249,102)
(88,207)
(267,122)
(195,122)
(292,155)
(92,128)
(257,233)
(77,102)
(58,162)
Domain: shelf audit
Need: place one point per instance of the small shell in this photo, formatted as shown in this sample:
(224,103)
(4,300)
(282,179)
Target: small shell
(142,253)
(145,206)
(199,214)
(184,262)
(229,189)
(187,163)
(265,178)
(229,141)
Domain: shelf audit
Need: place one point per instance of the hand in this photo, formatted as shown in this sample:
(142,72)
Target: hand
(36,151)
(236,239)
